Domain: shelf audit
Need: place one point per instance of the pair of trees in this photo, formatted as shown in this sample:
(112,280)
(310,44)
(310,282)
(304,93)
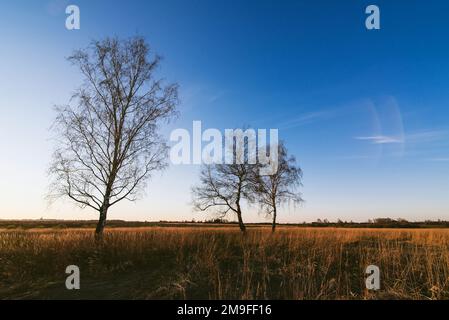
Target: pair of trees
(224,187)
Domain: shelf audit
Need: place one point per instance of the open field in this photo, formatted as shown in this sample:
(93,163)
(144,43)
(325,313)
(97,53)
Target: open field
(220,263)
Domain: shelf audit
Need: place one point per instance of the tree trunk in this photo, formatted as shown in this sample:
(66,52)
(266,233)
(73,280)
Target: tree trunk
(241,224)
(273,227)
(101,222)
(239,215)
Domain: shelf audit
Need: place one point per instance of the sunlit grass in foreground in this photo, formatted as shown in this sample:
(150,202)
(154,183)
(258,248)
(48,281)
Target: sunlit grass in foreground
(221,263)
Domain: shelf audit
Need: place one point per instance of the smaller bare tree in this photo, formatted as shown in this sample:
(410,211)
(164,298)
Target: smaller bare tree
(281,187)
(224,187)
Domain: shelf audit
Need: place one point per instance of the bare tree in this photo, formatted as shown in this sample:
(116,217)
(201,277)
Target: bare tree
(223,187)
(108,141)
(281,187)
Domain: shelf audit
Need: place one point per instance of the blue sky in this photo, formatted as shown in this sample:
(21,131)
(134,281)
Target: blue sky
(365,112)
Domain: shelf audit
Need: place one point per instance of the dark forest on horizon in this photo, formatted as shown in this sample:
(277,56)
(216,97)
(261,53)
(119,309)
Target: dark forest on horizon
(374,223)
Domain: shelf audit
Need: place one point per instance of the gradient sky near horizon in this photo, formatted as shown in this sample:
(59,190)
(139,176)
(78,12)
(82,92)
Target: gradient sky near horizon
(366,113)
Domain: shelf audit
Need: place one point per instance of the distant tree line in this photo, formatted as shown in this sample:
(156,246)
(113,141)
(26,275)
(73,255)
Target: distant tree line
(62,224)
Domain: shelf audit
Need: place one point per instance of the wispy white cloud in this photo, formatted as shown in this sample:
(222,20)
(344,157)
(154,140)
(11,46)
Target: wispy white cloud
(381,139)
(306,118)
(416,137)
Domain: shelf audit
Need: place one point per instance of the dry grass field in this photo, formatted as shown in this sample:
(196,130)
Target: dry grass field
(221,263)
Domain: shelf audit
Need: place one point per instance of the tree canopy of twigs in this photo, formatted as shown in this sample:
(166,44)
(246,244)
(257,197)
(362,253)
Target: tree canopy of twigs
(224,186)
(107,136)
(281,187)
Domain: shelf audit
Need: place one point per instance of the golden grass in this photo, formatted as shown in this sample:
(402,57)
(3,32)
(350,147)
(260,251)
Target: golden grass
(220,263)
